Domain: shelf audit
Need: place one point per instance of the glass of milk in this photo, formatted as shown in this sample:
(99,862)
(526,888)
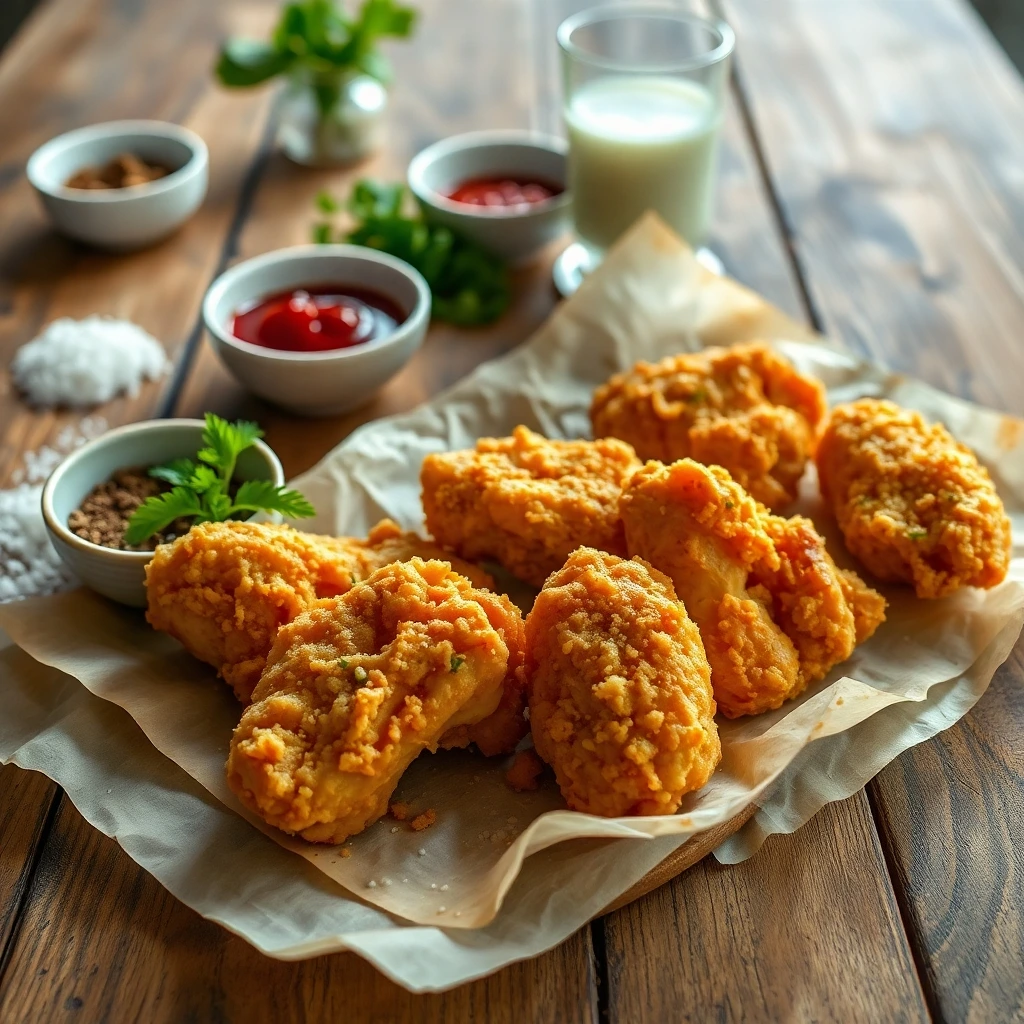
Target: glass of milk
(644,93)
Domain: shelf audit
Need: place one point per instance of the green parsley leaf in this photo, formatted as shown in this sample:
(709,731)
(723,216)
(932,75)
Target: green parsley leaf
(916,533)
(157,513)
(457,662)
(326,203)
(343,662)
(247,62)
(177,472)
(265,496)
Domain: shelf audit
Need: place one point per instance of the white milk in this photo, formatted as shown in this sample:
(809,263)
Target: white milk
(638,144)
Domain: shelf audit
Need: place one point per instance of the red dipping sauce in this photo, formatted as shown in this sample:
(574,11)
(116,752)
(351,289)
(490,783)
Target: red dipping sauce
(318,318)
(504,193)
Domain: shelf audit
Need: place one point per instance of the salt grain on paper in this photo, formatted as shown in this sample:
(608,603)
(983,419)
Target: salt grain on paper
(78,363)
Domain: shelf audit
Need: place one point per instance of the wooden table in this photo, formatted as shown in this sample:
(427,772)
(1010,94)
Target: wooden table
(872,183)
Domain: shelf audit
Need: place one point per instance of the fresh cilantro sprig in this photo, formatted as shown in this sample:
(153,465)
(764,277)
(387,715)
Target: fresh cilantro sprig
(317,37)
(201,487)
(469,285)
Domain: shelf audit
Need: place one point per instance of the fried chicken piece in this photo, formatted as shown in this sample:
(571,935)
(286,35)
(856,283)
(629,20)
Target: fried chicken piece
(224,589)
(527,502)
(745,408)
(620,697)
(770,603)
(915,506)
(356,686)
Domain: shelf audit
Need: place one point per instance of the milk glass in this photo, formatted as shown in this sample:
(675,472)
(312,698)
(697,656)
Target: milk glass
(644,93)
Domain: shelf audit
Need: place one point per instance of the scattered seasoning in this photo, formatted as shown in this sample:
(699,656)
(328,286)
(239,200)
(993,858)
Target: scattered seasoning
(371,884)
(29,566)
(343,663)
(78,363)
(457,662)
(125,170)
(525,771)
(423,821)
(103,516)
(421,852)
(444,888)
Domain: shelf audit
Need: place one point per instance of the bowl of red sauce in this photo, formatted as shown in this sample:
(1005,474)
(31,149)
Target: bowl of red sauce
(317,329)
(505,190)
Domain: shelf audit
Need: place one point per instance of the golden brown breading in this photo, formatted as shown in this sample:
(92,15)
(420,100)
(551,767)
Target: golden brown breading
(620,690)
(357,686)
(224,589)
(527,502)
(914,504)
(769,601)
(745,408)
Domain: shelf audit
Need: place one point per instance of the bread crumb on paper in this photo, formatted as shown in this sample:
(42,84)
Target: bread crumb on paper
(525,771)
(400,811)
(424,820)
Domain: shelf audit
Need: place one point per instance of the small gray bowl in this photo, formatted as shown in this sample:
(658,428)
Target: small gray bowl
(121,575)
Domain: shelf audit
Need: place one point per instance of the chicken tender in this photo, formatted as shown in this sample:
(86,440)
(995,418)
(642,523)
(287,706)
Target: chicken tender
(356,686)
(527,502)
(914,505)
(224,589)
(745,408)
(770,603)
(620,690)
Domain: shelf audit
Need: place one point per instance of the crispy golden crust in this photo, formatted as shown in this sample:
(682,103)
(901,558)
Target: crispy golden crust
(620,696)
(914,504)
(527,502)
(357,686)
(224,589)
(770,603)
(745,408)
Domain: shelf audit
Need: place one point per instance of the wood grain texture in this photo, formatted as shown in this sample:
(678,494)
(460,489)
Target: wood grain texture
(891,134)
(104,942)
(805,930)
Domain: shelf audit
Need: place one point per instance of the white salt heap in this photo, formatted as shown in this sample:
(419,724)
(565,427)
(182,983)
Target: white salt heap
(29,566)
(85,362)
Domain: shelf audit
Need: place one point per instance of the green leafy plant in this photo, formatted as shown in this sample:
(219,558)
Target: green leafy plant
(201,487)
(469,285)
(316,37)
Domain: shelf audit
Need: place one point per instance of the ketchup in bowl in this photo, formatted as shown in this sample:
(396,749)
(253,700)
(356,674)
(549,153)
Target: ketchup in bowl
(318,318)
(504,193)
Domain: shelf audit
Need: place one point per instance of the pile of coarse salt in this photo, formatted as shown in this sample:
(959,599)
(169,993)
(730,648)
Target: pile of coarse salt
(84,362)
(29,566)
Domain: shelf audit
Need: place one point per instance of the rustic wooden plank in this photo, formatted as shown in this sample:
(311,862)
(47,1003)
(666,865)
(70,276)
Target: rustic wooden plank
(784,936)
(57,75)
(891,133)
(102,938)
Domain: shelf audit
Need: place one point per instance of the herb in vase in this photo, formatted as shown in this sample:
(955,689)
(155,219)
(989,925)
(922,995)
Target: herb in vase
(332,110)
(469,285)
(202,489)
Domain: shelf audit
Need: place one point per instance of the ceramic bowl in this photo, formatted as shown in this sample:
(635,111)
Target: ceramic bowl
(517,234)
(121,575)
(317,383)
(121,219)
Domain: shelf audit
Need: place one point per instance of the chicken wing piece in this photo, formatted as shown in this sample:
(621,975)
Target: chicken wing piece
(745,408)
(914,505)
(770,603)
(224,589)
(620,690)
(527,502)
(357,686)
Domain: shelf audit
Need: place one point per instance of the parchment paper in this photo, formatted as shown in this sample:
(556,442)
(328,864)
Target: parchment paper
(924,669)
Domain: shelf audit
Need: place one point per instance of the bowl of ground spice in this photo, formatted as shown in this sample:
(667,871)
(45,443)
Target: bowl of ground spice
(90,498)
(121,185)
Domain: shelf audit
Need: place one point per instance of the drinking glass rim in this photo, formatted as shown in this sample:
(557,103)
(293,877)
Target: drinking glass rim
(592,15)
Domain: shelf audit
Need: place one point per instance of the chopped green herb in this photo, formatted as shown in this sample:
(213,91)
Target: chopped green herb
(457,662)
(469,285)
(697,396)
(343,662)
(360,673)
(729,504)
(201,487)
(352,577)
(916,534)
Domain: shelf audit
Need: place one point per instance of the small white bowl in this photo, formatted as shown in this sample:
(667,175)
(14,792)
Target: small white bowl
(317,383)
(121,219)
(121,575)
(515,234)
